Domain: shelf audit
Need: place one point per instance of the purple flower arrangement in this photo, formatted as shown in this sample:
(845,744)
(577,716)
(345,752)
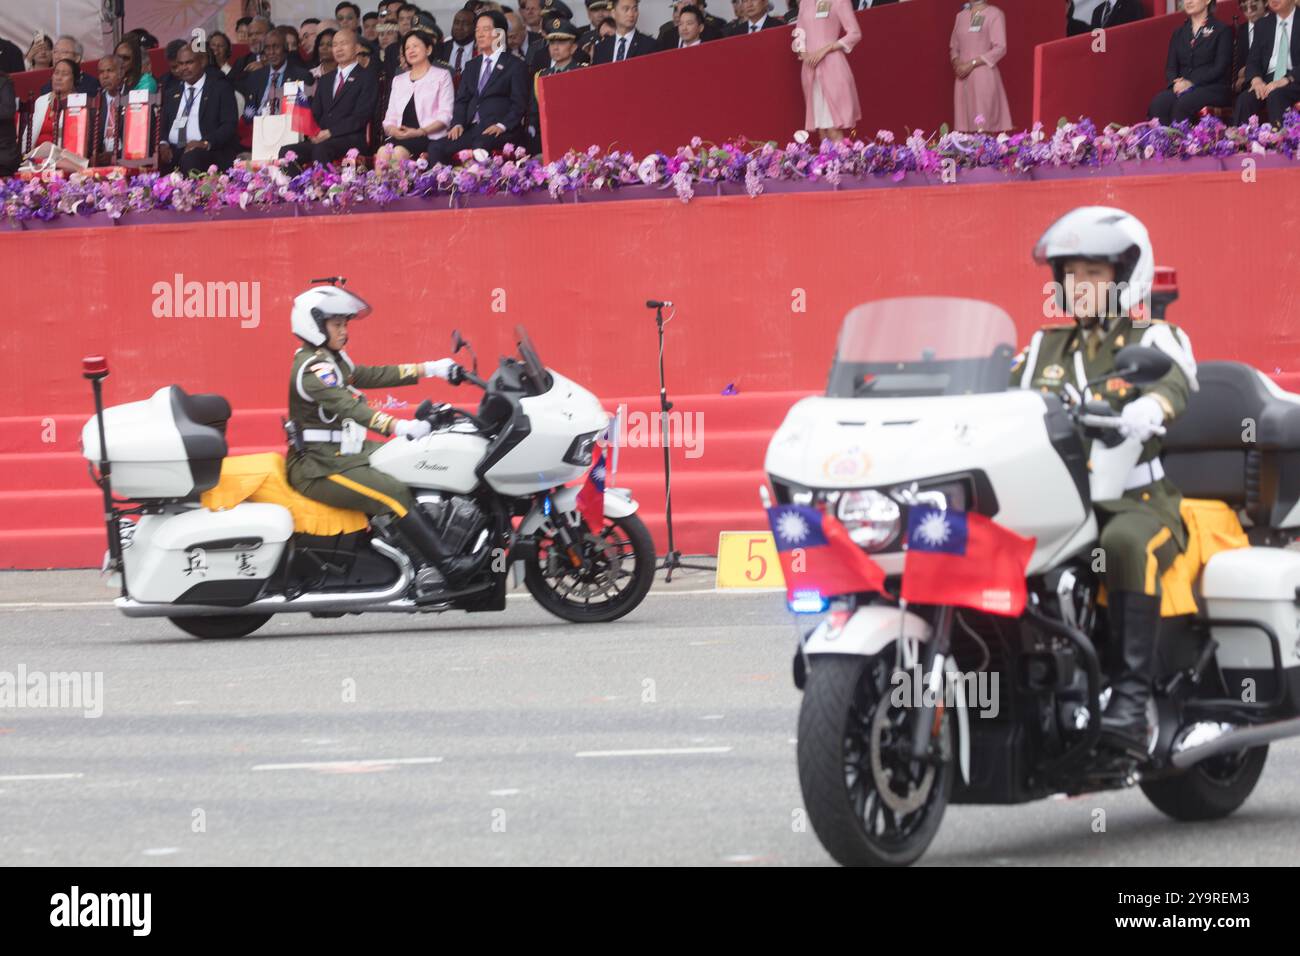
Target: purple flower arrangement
(348,186)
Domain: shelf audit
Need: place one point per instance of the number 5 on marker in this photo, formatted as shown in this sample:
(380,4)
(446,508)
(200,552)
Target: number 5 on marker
(747,559)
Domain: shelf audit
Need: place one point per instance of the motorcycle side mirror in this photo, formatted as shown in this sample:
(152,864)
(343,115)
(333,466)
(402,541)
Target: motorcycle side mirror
(1139,365)
(457,343)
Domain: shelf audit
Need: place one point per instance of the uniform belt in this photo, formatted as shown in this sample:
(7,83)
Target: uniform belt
(321,434)
(1145,474)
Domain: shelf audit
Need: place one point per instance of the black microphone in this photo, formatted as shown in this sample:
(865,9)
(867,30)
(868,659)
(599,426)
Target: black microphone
(654,304)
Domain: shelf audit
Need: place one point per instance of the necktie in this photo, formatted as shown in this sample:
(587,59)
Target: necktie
(338,84)
(622,45)
(110,119)
(483,76)
(752,26)
(271,87)
(183,136)
(1283,61)
(460,53)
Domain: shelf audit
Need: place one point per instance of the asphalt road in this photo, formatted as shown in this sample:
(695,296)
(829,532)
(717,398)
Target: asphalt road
(483,739)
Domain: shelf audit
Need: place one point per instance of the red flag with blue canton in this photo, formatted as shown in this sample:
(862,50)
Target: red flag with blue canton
(964,559)
(591,499)
(302,122)
(817,554)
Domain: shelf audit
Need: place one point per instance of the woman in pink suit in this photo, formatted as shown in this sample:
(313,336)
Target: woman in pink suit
(420,104)
(979,40)
(826,32)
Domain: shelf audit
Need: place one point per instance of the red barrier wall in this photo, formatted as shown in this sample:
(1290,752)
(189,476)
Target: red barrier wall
(1073,80)
(749,86)
(737,267)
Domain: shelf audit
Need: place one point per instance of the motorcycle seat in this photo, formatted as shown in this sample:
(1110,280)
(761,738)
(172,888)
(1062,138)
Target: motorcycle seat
(1238,442)
(263,478)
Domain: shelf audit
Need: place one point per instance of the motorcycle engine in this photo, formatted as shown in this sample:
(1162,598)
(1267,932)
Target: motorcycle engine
(459,522)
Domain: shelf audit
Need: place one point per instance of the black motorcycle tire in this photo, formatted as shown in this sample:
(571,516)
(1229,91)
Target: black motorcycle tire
(221,626)
(828,704)
(643,574)
(1209,790)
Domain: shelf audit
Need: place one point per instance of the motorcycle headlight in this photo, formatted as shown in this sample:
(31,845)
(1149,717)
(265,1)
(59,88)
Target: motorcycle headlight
(580,449)
(872,519)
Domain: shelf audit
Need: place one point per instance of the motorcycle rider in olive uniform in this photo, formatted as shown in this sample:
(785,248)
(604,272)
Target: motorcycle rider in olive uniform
(330,460)
(1103,266)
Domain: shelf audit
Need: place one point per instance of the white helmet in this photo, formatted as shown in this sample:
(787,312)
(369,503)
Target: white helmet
(321,302)
(1108,234)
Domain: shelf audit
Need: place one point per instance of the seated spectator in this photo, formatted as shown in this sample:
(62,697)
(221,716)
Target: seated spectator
(199,118)
(419,105)
(830,95)
(107,120)
(390,48)
(290,35)
(8,131)
(70,48)
(134,75)
(40,55)
(535,37)
(172,78)
(407,13)
(348,15)
(597,10)
(1253,11)
(516,34)
(1199,67)
(737,18)
(627,40)
(492,98)
(755,16)
(48,109)
(668,37)
(241,29)
(690,27)
(219,53)
(459,50)
(307,41)
(1271,66)
(342,106)
(11,58)
(370,27)
(324,53)
(145,39)
(562,45)
(254,59)
(1114,13)
(979,41)
(263,89)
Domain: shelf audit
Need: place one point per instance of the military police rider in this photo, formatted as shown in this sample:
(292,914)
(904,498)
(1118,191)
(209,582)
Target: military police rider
(1103,266)
(330,462)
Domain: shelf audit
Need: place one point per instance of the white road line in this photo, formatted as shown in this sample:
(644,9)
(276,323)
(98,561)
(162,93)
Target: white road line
(41,776)
(345,764)
(653,752)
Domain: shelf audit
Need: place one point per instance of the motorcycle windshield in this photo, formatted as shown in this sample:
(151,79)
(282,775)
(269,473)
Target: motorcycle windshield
(922,346)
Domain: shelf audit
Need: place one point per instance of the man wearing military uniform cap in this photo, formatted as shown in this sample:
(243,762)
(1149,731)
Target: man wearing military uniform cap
(597,10)
(1103,265)
(562,47)
(540,57)
(329,457)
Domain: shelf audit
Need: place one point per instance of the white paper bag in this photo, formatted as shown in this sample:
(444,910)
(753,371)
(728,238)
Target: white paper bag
(270,133)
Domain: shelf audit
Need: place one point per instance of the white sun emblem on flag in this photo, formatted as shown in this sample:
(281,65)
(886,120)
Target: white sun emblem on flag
(598,474)
(792,527)
(934,529)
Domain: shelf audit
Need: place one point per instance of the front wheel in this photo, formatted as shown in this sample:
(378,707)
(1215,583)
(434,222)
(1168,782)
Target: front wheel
(617,569)
(221,625)
(1210,789)
(869,802)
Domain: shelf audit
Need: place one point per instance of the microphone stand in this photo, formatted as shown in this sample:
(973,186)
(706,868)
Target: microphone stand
(673,559)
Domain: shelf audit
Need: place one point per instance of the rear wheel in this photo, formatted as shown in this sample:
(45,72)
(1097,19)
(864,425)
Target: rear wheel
(221,625)
(868,801)
(617,569)
(1211,789)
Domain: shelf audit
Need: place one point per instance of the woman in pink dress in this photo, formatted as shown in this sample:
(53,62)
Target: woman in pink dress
(979,40)
(829,93)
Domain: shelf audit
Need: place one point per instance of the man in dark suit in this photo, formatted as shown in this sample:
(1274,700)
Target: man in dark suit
(669,37)
(756,17)
(458,50)
(108,115)
(70,48)
(199,118)
(258,30)
(1271,66)
(1114,13)
(627,40)
(597,10)
(11,57)
(8,134)
(263,88)
(1253,11)
(492,99)
(342,106)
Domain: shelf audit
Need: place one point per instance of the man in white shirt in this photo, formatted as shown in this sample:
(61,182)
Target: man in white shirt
(459,49)
(627,40)
(1253,11)
(1270,66)
(110,102)
(200,117)
(755,17)
(690,27)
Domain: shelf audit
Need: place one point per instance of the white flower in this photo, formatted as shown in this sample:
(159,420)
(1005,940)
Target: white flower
(648,171)
(801,136)
(481,155)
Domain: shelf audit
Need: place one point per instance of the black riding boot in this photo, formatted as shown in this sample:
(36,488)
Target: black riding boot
(1134,627)
(456,568)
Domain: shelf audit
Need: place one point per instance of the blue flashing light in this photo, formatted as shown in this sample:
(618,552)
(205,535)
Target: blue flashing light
(808,602)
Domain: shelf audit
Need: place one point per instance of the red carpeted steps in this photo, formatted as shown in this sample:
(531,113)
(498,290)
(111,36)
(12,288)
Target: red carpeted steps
(50,512)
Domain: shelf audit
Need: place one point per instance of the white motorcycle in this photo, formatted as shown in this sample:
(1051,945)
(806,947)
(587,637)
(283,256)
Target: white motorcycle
(917,412)
(494,479)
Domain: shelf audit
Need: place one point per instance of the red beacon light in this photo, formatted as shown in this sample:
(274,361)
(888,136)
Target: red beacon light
(94,366)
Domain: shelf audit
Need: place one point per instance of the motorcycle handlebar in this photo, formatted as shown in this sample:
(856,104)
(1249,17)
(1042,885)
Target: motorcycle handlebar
(1108,421)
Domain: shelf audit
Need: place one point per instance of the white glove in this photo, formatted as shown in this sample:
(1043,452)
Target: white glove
(1142,418)
(438,369)
(411,429)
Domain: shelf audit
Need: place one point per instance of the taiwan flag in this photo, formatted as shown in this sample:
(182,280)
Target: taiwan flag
(591,499)
(300,109)
(964,559)
(817,554)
